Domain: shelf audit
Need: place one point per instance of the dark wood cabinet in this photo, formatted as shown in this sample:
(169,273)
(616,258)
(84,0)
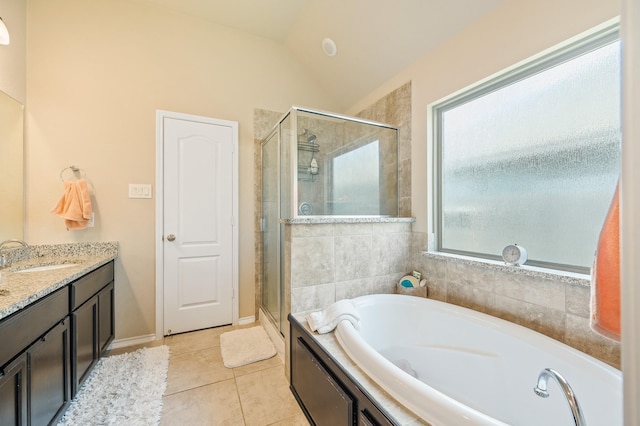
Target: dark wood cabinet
(34,362)
(326,393)
(13,392)
(85,341)
(50,346)
(106,322)
(49,381)
(326,401)
(92,298)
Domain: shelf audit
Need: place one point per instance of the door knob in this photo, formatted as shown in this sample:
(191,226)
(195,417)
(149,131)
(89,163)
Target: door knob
(171,237)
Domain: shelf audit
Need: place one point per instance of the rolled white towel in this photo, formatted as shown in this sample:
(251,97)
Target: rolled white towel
(325,321)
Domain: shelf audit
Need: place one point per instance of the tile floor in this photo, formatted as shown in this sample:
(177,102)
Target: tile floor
(202,391)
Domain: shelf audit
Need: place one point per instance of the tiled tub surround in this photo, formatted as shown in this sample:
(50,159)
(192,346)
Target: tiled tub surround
(328,259)
(18,290)
(554,305)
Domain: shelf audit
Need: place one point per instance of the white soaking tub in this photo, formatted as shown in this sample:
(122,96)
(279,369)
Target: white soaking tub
(474,369)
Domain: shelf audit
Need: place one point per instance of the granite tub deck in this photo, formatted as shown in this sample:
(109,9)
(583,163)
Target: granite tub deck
(18,290)
(401,415)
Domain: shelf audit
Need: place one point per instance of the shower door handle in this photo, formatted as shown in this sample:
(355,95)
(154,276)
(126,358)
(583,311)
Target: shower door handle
(171,237)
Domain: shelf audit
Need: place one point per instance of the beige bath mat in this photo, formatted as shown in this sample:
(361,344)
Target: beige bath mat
(244,346)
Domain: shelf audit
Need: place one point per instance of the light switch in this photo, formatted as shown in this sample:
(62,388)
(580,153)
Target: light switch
(140,190)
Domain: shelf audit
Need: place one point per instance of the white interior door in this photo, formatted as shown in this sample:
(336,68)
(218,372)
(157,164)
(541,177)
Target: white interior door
(198,222)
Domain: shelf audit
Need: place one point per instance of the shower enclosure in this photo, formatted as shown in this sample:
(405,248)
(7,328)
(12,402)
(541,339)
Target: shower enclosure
(318,165)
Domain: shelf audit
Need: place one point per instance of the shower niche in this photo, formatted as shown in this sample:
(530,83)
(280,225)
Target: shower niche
(320,167)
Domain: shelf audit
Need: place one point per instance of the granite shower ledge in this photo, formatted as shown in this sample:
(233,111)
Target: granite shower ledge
(17,290)
(525,270)
(323,220)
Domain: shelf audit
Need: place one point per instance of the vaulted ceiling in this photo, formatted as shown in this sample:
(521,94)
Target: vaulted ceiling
(375,39)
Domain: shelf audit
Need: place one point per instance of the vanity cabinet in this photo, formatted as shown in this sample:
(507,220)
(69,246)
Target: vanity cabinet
(85,353)
(49,381)
(106,320)
(48,348)
(92,321)
(13,392)
(35,378)
(326,393)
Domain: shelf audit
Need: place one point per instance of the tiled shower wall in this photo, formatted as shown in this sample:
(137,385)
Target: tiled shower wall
(329,262)
(395,109)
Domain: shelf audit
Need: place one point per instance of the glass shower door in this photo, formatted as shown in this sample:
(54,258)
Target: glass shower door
(270,227)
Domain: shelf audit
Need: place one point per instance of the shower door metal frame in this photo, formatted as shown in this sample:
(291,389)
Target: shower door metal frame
(293,214)
(275,130)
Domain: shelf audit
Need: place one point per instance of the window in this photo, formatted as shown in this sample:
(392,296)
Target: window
(532,157)
(356,181)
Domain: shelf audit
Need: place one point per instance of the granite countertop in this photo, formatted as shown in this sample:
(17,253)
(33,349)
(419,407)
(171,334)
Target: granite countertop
(402,415)
(18,290)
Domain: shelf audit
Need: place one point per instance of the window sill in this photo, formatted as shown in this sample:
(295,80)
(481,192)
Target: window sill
(530,271)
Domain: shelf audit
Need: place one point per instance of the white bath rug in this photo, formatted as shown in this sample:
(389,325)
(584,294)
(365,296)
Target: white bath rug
(244,346)
(122,390)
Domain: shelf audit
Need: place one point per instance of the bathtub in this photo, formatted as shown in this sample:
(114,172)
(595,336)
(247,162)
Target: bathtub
(471,368)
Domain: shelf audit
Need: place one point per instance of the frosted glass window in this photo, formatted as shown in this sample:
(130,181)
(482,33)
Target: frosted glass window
(356,181)
(533,159)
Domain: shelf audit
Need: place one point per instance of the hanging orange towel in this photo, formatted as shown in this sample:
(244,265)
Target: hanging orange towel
(605,275)
(75,205)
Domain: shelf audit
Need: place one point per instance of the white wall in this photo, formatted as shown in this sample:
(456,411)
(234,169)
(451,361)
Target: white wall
(509,34)
(97,71)
(630,205)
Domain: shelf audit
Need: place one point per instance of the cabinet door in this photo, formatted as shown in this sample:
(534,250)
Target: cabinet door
(13,392)
(106,329)
(84,348)
(323,397)
(49,375)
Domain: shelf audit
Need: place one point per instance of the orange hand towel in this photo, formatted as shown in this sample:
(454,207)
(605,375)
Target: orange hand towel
(605,276)
(75,205)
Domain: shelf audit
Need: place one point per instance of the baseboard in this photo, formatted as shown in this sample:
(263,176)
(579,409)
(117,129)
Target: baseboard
(139,340)
(131,341)
(247,320)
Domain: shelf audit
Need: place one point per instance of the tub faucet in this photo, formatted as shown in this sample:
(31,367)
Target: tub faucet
(541,390)
(4,261)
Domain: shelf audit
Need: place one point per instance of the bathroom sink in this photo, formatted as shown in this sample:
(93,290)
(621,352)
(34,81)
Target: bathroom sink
(45,268)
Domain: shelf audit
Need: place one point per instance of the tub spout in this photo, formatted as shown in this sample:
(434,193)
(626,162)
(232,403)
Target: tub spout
(541,390)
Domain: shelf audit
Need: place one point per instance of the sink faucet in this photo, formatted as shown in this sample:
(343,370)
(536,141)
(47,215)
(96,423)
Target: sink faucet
(541,390)
(4,261)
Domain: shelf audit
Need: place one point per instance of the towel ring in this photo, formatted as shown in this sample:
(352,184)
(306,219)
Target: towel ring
(73,168)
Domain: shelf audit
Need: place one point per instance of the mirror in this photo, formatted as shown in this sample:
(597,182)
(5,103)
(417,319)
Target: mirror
(11,168)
